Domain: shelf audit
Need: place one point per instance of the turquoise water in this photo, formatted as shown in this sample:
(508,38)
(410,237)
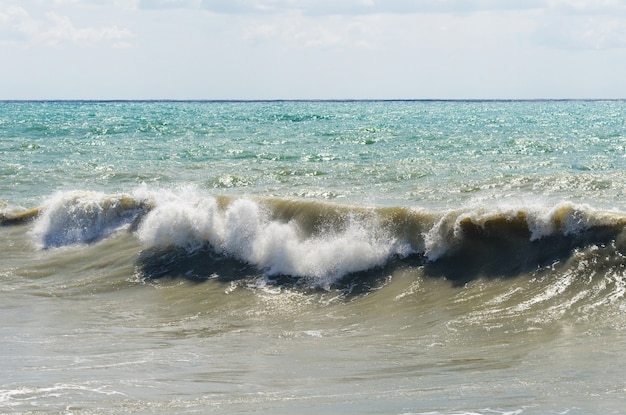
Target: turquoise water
(426,153)
(384,257)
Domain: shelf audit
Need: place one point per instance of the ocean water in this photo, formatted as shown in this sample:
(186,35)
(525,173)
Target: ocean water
(365,257)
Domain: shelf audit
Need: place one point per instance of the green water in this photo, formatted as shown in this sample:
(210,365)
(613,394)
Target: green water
(313,257)
(426,153)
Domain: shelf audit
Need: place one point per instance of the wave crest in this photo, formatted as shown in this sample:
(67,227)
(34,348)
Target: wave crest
(322,242)
(81,217)
(514,225)
(278,243)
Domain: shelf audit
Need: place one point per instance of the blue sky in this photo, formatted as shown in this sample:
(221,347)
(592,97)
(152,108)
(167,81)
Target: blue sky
(312,49)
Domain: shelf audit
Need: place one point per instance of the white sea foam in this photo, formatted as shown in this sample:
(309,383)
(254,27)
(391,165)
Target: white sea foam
(307,240)
(184,219)
(540,221)
(31,395)
(243,229)
(80,217)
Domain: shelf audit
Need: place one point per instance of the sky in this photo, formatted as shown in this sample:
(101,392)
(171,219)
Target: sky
(312,49)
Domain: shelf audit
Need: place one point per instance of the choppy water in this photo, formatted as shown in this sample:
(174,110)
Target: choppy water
(313,257)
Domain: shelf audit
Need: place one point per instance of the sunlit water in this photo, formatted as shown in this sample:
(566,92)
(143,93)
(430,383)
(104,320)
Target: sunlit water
(313,257)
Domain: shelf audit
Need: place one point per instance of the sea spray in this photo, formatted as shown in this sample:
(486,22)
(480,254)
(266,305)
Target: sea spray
(324,242)
(511,301)
(80,217)
(527,223)
(184,219)
(245,229)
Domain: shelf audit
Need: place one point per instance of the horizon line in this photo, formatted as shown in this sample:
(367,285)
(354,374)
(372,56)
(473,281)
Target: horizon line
(196,100)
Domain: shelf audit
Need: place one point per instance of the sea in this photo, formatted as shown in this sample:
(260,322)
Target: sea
(313,257)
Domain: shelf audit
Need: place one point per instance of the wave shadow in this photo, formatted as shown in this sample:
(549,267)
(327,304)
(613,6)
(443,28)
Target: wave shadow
(197,266)
(483,252)
(486,252)
(205,264)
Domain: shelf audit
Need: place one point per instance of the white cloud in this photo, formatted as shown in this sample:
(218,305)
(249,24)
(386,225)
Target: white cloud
(294,31)
(356,7)
(582,25)
(11,13)
(587,7)
(12,24)
(168,4)
(54,29)
(59,29)
(361,7)
(564,24)
(253,49)
(595,33)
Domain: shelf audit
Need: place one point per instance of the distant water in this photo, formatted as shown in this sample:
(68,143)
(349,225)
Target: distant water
(401,257)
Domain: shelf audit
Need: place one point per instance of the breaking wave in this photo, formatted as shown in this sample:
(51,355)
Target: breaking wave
(321,242)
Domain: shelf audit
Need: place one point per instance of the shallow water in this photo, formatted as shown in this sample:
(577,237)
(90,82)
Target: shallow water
(294,257)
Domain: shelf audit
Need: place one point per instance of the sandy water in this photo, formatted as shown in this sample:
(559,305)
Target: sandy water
(377,257)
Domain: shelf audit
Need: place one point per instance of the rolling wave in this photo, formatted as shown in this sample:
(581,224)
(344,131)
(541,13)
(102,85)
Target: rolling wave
(188,233)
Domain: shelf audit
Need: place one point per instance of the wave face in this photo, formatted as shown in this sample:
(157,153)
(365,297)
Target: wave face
(323,243)
(81,217)
(279,237)
(299,257)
